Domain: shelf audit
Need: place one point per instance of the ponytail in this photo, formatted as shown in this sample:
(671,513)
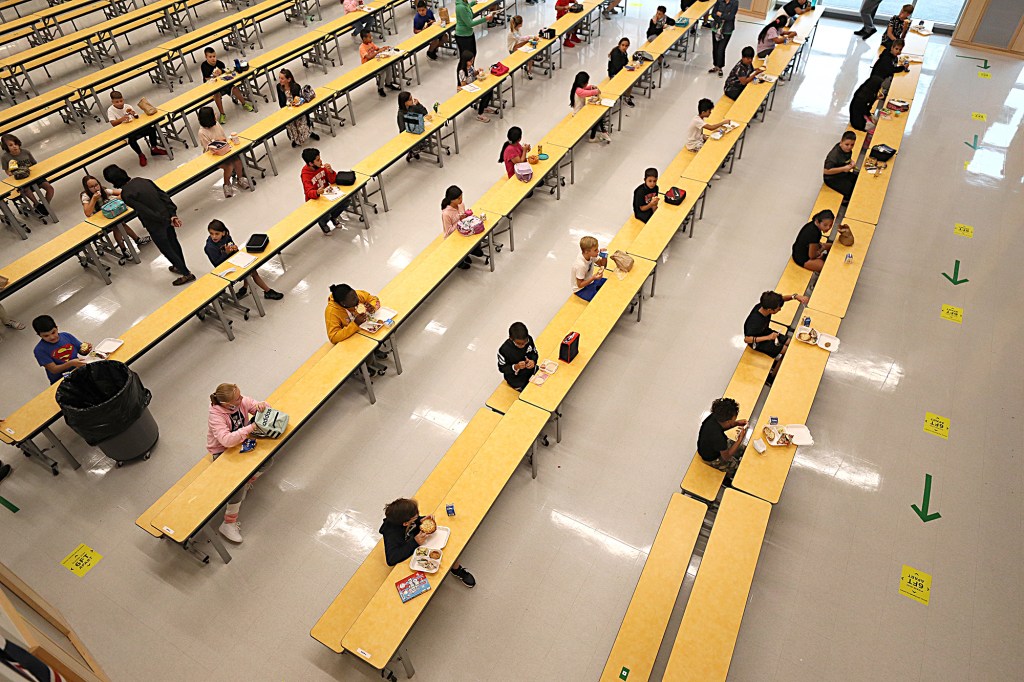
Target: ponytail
(501,156)
(450,195)
(224,393)
(515,135)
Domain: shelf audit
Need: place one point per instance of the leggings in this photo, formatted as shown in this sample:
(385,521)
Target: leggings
(484,102)
(466,44)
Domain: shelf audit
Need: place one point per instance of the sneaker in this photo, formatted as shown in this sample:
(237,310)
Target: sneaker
(243,292)
(462,574)
(295,145)
(529,76)
(142,160)
(41,210)
(605,137)
(222,119)
(243,183)
(720,74)
(325,228)
(860,32)
(173,270)
(380,91)
(248,107)
(144,240)
(14,324)
(716,176)
(5,471)
(184,279)
(593,140)
(158,151)
(464,264)
(380,355)
(273,295)
(231,532)
(606,15)
(314,137)
(394,87)
(491,110)
(868,34)
(482,118)
(569,43)
(432,56)
(713,69)
(229,191)
(629,102)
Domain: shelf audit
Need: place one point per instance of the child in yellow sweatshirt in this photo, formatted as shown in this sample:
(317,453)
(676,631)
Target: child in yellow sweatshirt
(347,308)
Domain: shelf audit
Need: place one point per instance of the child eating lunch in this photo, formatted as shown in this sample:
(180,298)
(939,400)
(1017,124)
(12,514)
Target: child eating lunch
(404,530)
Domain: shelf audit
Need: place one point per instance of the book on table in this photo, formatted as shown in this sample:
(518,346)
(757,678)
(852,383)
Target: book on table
(412,586)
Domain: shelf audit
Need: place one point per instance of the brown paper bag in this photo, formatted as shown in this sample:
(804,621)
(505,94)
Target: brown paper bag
(845,235)
(146,107)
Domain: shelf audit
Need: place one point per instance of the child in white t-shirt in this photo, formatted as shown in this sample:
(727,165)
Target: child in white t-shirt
(695,135)
(588,270)
(118,112)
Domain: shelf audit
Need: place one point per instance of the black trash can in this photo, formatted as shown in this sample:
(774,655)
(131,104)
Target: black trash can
(107,405)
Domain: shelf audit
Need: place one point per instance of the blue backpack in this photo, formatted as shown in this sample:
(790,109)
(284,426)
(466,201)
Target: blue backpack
(414,123)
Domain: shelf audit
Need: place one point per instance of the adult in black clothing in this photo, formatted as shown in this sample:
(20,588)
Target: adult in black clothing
(517,357)
(287,92)
(759,335)
(713,445)
(158,215)
(723,15)
(617,60)
(808,251)
(839,172)
(645,197)
(864,98)
(402,535)
(888,64)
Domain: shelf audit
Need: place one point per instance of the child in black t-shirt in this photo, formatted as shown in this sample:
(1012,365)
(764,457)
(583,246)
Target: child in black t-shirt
(213,68)
(403,534)
(517,357)
(713,445)
(759,335)
(645,197)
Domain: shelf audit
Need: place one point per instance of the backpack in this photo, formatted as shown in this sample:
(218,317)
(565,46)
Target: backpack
(270,423)
(414,123)
(547,34)
(113,208)
(882,152)
(575,8)
(470,226)
(675,196)
(307,93)
(498,69)
(523,171)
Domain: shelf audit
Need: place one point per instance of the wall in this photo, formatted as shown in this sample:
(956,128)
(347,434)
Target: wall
(996,25)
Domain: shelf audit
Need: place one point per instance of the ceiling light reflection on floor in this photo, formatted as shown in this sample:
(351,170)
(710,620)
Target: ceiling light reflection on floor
(611,544)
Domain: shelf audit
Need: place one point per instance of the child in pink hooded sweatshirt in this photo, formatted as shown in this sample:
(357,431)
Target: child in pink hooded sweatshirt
(229,425)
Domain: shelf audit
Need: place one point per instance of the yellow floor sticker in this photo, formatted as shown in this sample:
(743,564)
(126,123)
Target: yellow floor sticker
(916,584)
(81,560)
(964,230)
(979,117)
(952,313)
(936,425)
(984,74)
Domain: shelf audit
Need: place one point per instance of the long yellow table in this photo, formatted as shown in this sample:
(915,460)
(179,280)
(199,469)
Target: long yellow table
(505,195)
(643,627)
(714,153)
(834,290)
(371,574)
(790,400)
(384,624)
(707,633)
(870,190)
(594,325)
(667,220)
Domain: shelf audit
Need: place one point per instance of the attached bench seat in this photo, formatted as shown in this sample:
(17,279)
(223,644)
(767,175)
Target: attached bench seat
(371,574)
(706,638)
(643,627)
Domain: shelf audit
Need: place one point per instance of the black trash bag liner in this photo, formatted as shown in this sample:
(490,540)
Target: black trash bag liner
(102,399)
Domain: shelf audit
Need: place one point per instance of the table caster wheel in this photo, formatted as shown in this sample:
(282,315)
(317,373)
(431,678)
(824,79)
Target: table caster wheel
(499,247)
(382,372)
(544,441)
(54,470)
(245,316)
(200,316)
(118,464)
(206,560)
(146,456)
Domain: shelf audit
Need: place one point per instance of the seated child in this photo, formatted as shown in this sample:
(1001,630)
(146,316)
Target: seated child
(219,247)
(213,68)
(587,279)
(773,34)
(741,74)
(368,51)
(118,113)
(839,172)
(57,352)
(316,177)
(695,135)
(714,447)
(517,357)
(808,251)
(757,332)
(424,19)
(93,196)
(209,132)
(402,535)
(645,197)
(343,317)
(14,153)
(561,9)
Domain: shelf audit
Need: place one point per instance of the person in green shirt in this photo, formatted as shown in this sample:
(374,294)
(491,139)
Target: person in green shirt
(464,23)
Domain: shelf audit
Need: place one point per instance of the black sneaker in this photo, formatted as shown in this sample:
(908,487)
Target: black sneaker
(394,86)
(243,292)
(273,295)
(380,91)
(465,576)
(325,228)
(41,211)
(5,471)
(432,56)
(380,355)
(314,136)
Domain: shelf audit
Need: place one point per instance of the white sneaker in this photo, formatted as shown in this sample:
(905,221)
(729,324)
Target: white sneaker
(243,183)
(594,140)
(228,191)
(716,176)
(231,532)
(605,137)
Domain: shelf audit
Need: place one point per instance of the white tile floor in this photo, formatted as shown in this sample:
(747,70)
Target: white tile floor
(558,557)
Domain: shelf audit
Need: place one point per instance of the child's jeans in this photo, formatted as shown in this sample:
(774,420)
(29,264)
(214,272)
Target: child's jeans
(588,292)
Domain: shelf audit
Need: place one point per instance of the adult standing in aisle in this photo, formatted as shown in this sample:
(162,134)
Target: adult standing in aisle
(868,8)
(464,24)
(724,21)
(158,214)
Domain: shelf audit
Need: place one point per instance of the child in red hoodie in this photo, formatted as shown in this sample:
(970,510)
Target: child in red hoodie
(561,9)
(316,177)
